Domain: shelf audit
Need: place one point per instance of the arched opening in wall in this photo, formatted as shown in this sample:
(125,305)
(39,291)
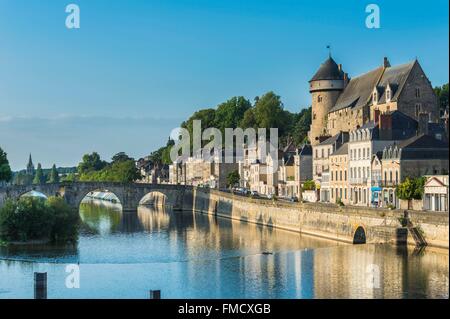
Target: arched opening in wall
(360,236)
(100,212)
(101,195)
(34,194)
(155,199)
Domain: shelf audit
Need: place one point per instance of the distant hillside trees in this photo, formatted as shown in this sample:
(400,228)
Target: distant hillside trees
(267,111)
(121,169)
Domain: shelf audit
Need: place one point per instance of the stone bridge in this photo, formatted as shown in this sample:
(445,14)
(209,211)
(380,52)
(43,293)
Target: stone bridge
(130,195)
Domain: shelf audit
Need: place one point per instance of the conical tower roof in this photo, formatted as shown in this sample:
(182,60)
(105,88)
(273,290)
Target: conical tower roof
(328,70)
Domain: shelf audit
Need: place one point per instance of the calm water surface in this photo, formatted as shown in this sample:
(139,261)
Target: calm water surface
(189,255)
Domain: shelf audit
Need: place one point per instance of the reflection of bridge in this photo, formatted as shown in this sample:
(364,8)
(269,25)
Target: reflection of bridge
(129,195)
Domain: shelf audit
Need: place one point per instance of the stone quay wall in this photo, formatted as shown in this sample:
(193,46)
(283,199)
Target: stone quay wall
(323,220)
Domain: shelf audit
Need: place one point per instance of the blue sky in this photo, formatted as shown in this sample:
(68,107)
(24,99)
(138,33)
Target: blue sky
(135,69)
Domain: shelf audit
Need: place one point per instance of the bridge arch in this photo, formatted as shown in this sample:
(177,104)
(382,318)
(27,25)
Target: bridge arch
(33,193)
(86,192)
(360,235)
(155,198)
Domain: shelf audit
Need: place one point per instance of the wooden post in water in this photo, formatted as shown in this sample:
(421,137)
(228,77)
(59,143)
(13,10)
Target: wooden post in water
(155,294)
(40,285)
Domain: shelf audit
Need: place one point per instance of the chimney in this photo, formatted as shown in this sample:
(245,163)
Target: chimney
(346,80)
(423,123)
(386,63)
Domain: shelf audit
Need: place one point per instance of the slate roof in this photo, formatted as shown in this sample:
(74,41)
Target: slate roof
(395,77)
(331,140)
(305,150)
(358,91)
(328,70)
(343,150)
(421,147)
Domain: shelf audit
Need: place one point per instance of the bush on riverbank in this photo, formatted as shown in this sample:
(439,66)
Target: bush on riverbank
(37,219)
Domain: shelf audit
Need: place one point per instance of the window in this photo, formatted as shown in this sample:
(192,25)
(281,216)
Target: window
(345,175)
(375,97)
(323,154)
(388,95)
(390,176)
(364,153)
(418,107)
(396,177)
(340,175)
(417,92)
(319,99)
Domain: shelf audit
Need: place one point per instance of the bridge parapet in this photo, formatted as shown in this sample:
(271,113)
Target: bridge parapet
(129,194)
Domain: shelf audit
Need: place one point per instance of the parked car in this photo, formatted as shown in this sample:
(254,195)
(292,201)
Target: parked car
(293,199)
(254,194)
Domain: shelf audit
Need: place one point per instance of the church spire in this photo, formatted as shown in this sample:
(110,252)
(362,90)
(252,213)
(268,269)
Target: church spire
(30,166)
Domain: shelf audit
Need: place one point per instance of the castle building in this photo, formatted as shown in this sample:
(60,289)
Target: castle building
(343,104)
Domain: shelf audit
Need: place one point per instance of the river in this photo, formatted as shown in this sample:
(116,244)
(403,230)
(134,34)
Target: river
(190,255)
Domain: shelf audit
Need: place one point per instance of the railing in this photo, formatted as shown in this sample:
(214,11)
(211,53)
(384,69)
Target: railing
(358,180)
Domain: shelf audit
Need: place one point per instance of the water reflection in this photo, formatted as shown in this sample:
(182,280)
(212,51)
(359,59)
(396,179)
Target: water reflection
(189,255)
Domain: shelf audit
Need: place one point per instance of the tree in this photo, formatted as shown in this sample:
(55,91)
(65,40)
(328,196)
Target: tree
(53,177)
(121,157)
(309,185)
(248,120)
(91,162)
(39,177)
(442,95)
(411,188)
(5,169)
(231,112)
(269,112)
(233,178)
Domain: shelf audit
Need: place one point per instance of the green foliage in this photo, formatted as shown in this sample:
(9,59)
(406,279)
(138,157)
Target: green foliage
(442,95)
(309,185)
(91,162)
(339,202)
(39,177)
(122,171)
(69,178)
(233,178)
(121,157)
(411,188)
(267,112)
(53,177)
(229,113)
(162,155)
(33,218)
(5,169)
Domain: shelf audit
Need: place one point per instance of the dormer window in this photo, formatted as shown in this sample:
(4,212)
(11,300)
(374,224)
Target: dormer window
(388,94)
(375,97)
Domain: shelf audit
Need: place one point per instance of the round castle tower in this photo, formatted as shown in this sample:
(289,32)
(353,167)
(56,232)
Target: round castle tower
(325,87)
